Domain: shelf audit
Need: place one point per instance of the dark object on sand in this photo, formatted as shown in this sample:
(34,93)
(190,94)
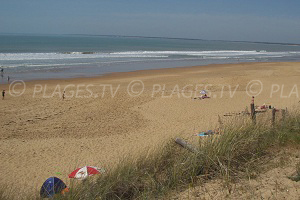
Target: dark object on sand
(294,178)
(184,144)
(52,186)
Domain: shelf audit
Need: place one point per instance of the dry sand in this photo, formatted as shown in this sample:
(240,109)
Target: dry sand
(42,135)
(270,183)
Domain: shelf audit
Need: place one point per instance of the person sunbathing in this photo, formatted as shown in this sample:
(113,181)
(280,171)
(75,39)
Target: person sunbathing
(204,96)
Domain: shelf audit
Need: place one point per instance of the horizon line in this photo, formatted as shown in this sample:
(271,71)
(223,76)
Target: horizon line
(182,38)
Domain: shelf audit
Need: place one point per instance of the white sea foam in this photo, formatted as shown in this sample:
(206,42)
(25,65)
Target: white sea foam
(137,54)
(205,53)
(57,60)
(73,55)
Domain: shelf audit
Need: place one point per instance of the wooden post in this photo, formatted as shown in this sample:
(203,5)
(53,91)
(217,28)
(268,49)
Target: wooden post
(283,115)
(273,116)
(246,112)
(221,126)
(186,145)
(252,106)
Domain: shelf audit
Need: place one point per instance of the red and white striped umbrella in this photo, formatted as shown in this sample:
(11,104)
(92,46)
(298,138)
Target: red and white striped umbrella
(84,172)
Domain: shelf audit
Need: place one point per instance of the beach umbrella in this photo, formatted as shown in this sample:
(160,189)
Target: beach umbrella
(52,186)
(203,92)
(84,172)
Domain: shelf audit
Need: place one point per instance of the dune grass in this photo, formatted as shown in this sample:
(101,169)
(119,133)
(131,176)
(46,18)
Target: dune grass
(172,168)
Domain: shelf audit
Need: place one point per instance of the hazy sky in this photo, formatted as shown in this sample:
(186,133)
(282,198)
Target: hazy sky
(251,20)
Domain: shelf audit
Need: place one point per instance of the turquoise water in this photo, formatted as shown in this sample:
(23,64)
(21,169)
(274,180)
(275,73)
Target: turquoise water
(29,57)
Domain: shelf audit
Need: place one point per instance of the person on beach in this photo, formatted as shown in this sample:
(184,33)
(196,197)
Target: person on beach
(3,94)
(63,96)
(8,78)
(204,96)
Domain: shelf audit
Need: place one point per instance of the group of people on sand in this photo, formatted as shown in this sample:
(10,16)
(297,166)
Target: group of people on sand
(2,75)
(8,79)
(203,95)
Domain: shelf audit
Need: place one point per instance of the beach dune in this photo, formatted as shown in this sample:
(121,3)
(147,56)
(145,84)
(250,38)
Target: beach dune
(104,119)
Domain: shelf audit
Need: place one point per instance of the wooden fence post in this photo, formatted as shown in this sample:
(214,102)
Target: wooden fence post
(252,106)
(273,116)
(221,125)
(283,115)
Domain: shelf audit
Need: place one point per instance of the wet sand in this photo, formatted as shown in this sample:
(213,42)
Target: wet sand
(103,119)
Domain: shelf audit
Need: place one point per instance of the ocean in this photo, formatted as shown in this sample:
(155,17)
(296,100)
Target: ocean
(34,57)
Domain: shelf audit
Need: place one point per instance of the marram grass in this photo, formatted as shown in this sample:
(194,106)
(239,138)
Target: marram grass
(172,168)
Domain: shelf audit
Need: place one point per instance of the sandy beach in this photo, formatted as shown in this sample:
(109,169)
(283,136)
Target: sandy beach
(104,119)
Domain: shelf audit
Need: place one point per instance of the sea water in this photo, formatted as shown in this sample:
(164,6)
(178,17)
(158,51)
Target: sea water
(28,57)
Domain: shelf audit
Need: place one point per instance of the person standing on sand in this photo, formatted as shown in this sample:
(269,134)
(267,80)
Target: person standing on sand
(8,78)
(3,94)
(63,96)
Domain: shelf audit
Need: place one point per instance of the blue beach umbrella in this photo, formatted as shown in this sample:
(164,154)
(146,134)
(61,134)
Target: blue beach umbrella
(52,186)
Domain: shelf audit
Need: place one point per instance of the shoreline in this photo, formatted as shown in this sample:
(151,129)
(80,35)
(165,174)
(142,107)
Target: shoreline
(145,72)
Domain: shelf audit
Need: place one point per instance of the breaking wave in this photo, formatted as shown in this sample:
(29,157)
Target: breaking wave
(140,54)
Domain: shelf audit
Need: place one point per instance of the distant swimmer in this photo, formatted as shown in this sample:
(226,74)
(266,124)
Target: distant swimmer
(2,70)
(3,94)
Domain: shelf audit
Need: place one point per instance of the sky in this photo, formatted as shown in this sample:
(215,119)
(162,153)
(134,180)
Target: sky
(239,20)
